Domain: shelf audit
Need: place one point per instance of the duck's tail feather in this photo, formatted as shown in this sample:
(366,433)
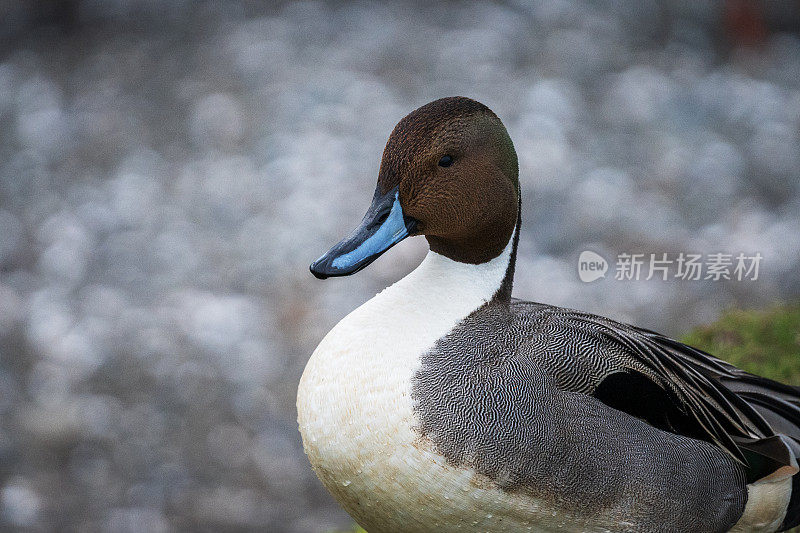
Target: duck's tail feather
(779,405)
(793,512)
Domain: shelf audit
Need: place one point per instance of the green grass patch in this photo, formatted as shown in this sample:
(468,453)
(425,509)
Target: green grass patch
(764,342)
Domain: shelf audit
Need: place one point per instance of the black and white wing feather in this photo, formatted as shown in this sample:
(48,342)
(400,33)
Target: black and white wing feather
(671,385)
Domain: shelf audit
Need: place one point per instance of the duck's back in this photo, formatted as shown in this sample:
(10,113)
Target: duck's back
(508,394)
(605,418)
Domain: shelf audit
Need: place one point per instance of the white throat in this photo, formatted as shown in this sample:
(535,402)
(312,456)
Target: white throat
(449,288)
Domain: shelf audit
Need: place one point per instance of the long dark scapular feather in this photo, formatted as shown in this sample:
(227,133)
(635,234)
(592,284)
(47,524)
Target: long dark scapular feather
(778,405)
(744,381)
(754,419)
(698,381)
(735,408)
(749,389)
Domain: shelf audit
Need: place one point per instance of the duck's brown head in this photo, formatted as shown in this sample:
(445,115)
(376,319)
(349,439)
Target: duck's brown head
(449,172)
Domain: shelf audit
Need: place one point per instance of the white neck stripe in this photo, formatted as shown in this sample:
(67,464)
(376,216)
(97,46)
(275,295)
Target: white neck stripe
(453,287)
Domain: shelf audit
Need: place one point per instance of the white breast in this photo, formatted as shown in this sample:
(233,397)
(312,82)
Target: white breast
(356,415)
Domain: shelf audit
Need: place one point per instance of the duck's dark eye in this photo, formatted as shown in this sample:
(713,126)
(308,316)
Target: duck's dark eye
(445,161)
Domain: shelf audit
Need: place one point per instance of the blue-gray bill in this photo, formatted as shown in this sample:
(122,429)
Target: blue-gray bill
(382,227)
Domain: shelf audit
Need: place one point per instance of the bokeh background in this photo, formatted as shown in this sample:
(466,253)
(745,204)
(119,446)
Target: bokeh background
(168,170)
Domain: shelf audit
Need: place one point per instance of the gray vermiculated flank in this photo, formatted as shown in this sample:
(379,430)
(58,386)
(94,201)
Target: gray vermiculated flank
(508,393)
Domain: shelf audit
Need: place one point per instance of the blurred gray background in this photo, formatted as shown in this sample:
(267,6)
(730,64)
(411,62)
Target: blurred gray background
(168,170)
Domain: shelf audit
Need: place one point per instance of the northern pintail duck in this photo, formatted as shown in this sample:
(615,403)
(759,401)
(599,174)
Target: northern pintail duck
(444,404)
